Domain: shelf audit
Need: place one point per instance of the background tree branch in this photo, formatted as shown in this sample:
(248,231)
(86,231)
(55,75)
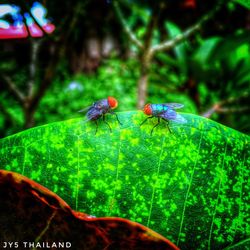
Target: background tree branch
(13,89)
(169,44)
(35,46)
(219,107)
(126,27)
(147,50)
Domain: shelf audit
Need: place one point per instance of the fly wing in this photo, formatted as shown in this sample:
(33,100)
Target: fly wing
(84,110)
(97,105)
(170,114)
(94,113)
(96,110)
(91,114)
(180,119)
(174,105)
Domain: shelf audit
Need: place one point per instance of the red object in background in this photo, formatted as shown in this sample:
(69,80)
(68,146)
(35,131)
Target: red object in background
(35,30)
(14,32)
(21,32)
(15,24)
(49,28)
(189,4)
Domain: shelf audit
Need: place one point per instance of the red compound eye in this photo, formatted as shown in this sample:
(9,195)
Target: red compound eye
(147,109)
(113,103)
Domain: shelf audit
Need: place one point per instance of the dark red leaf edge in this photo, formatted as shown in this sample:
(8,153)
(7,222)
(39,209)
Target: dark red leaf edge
(32,214)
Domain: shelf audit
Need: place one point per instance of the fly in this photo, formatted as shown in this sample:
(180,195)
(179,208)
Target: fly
(165,111)
(100,109)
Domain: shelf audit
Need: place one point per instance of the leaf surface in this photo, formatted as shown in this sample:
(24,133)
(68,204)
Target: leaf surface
(191,186)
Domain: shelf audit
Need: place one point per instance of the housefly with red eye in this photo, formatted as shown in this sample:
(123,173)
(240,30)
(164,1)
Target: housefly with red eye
(165,111)
(100,109)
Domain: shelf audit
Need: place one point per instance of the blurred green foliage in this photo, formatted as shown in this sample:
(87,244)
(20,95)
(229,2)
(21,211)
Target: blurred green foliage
(211,67)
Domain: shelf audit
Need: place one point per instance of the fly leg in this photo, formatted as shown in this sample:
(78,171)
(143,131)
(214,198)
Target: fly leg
(103,118)
(113,113)
(96,123)
(146,120)
(155,125)
(167,124)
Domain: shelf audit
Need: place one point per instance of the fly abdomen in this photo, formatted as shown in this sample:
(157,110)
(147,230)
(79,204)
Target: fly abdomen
(94,114)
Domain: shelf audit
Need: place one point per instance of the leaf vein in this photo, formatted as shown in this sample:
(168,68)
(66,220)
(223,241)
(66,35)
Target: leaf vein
(241,189)
(78,169)
(188,190)
(153,193)
(217,200)
(117,175)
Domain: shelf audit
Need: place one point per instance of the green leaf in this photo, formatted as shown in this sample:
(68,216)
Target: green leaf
(191,185)
(204,52)
(237,44)
(245,3)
